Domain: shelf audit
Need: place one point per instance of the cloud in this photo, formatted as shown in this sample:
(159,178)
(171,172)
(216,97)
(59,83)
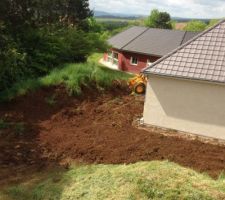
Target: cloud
(178,8)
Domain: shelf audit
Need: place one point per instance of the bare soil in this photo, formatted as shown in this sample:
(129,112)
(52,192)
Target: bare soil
(180,25)
(94,128)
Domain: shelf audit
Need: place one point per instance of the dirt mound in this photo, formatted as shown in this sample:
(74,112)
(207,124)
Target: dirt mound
(47,126)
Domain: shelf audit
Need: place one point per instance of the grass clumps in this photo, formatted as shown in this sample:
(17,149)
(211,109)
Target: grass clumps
(140,181)
(73,76)
(51,100)
(18,128)
(3,124)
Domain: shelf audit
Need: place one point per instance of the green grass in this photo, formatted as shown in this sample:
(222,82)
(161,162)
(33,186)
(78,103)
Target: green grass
(145,180)
(73,76)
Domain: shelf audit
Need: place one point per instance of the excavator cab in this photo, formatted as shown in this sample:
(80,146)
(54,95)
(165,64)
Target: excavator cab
(138,84)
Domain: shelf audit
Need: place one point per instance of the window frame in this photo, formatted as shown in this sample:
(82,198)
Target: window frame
(110,56)
(148,63)
(115,60)
(132,59)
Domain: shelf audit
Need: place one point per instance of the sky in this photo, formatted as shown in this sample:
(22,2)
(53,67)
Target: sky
(176,8)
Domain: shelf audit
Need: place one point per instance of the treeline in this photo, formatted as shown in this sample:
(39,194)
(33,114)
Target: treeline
(157,19)
(198,25)
(38,35)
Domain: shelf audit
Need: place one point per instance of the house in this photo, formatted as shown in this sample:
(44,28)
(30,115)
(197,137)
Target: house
(186,88)
(138,47)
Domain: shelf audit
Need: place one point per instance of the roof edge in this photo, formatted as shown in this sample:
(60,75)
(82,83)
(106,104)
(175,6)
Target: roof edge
(140,53)
(180,47)
(187,78)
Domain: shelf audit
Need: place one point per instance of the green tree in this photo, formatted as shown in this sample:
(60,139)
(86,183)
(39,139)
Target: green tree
(195,26)
(212,22)
(38,35)
(41,12)
(78,10)
(159,20)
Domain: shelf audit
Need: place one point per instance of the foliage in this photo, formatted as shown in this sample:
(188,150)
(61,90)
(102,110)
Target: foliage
(73,76)
(44,49)
(35,13)
(113,26)
(212,22)
(173,24)
(195,26)
(37,36)
(77,11)
(159,20)
(144,180)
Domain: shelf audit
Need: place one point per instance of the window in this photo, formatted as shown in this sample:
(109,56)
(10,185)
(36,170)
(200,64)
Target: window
(133,61)
(148,62)
(115,55)
(110,56)
(115,58)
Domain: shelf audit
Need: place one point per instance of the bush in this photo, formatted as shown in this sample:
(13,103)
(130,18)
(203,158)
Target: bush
(34,52)
(195,26)
(12,60)
(72,76)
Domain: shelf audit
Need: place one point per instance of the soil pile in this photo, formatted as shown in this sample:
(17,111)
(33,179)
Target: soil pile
(48,127)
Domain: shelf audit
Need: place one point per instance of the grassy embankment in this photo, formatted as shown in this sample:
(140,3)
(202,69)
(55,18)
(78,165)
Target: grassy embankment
(144,180)
(72,76)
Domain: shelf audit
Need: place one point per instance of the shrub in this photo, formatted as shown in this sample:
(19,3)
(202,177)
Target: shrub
(12,60)
(37,51)
(195,26)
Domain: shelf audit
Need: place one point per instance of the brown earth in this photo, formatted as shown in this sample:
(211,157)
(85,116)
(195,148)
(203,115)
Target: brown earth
(180,25)
(47,127)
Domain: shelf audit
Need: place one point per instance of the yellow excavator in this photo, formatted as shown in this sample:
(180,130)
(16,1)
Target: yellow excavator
(138,84)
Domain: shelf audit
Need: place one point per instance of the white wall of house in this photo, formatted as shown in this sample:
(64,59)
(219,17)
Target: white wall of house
(186,105)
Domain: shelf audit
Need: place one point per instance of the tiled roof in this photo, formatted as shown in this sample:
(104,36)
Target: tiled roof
(150,41)
(188,36)
(157,42)
(123,38)
(202,58)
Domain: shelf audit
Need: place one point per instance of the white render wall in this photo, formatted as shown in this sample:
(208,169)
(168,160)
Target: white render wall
(185,105)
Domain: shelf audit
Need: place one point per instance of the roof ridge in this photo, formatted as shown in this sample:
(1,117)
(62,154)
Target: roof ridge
(182,46)
(135,37)
(183,37)
(171,30)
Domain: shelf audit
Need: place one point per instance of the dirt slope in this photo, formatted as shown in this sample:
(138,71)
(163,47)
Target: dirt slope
(95,128)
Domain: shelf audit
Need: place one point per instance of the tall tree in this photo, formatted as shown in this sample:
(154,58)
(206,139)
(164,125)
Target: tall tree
(78,10)
(41,12)
(159,20)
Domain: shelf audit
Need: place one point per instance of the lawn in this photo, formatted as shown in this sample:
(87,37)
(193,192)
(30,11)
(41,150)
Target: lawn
(143,180)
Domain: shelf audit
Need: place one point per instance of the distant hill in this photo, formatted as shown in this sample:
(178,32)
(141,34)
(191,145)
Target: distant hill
(100,13)
(103,14)
(183,19)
